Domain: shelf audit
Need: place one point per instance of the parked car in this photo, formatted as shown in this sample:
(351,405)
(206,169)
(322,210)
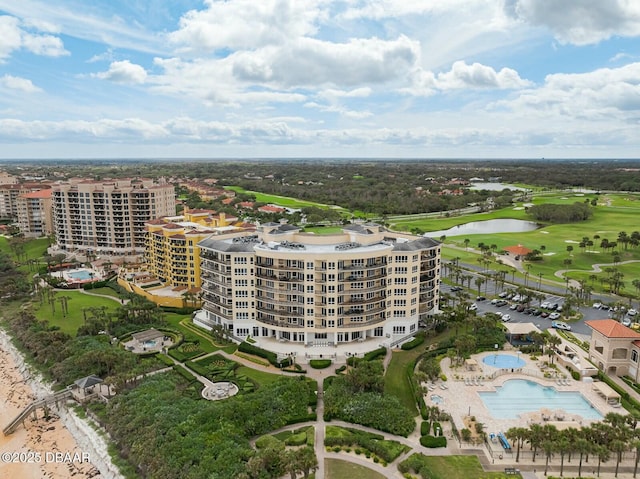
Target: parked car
(554,306)
(545,304)
(481,298)
(456,288)
(626,322)
(597,305)
(501,302)
(513,306)
(632,312)
(503,294)
(517,297)
(554,316)
(473,307)
(520,308)
(506,318)
(494,301)
(528,311)
(544,314)
(537,312)
(561,325)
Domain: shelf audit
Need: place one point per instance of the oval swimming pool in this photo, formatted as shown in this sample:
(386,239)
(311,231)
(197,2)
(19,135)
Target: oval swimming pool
(503,361)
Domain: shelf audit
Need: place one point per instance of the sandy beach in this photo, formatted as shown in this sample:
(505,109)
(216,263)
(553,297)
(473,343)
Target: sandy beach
(44,448)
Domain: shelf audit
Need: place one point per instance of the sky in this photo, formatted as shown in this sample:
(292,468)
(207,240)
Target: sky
(319,78)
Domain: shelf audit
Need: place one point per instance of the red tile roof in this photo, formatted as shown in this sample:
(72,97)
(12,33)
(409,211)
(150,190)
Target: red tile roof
(43,194)
(518,250)
(612,329)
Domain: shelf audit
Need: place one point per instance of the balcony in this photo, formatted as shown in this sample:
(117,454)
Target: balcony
(281,324)
(280,312)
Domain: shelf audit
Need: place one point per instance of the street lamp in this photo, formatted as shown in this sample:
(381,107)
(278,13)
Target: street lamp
(539,280)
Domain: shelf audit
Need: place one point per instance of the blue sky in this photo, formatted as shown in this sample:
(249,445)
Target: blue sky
(313,78)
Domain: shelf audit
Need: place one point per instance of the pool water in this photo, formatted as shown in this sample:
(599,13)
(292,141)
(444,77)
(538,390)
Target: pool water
(81,274)
(518,396)
(150,343)
(503,361)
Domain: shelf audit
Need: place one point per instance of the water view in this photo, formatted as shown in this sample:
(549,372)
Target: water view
(486,227)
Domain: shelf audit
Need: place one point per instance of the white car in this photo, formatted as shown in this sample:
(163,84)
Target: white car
(597,305)
(545,304)
(506,317)
(513,306)
(626,322)
(554,316)
(473,307)
(561,325)
(632,312)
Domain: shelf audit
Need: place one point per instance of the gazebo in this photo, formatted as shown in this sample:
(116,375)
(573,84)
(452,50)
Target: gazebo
(520,332)
(607,392)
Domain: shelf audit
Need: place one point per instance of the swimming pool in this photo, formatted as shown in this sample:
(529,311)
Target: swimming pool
(503,361)
(150,343)
(81,274)
(436,399)
(518,396)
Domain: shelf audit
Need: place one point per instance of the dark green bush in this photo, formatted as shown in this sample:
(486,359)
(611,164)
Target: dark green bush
(432,442)
(320,363)
(341,369)
(375,354)
(256,351)
(425,428)
(414,343)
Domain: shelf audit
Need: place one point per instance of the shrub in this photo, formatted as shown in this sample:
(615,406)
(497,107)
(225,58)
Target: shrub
(320,363)
(414,343)
(432,442)
(341,369)
(256,351)
(575,375)
(437,429)
(375,354)
(425,428)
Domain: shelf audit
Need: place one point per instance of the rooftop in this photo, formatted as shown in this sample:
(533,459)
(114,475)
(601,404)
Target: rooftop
(612,329)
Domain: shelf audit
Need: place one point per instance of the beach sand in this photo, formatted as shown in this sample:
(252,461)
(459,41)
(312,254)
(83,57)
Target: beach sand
(30,452)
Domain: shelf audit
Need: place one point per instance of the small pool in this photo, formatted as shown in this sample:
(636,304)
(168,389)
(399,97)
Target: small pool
(150,343)
(517,396)
(436,399)
(81,274)
(503,361)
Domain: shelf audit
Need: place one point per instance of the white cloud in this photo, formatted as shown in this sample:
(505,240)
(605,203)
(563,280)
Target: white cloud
(16,83)
(476,76)
(14,37)
(245,24)
(123,72)
(311,62)
(580,22)
(606,94)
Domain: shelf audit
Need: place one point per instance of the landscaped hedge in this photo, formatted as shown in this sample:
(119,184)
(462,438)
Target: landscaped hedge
(375,354)
(425,428)
(432,442)
(414,343)
(341,369)
(320,363)
(374,443)
(183,372)
(251,349)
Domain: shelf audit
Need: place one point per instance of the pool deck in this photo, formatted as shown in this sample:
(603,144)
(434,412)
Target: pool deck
(460,396)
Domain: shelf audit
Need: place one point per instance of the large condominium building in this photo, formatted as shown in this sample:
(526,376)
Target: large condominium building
(9,194)
(172,253)
(319,290)
(35,213)
(108,217)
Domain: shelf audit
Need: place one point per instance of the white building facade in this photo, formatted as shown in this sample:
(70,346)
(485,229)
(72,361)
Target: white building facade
(319,290)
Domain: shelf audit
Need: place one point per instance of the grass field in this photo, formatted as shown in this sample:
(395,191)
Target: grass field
(614,213)
(338,469)
(77,304)
(457,467)
(260,377)
(284,201)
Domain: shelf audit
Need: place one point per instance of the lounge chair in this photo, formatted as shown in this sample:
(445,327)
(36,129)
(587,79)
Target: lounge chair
(443,387)
(559,382)
(466,381)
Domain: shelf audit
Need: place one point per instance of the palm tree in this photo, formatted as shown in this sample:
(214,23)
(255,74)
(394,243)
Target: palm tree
(603,454)
(548,445)
(582,447)
(517,435)
(563,446)
(535,438)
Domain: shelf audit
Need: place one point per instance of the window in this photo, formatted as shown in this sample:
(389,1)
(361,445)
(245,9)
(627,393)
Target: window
(242,282)
(310,312)
(401,270)
(310,300)
(242,294)
(357,319)
(357,285)
(400,281)
(414,269)
(310,278)
(241,271)
(310,265)
(400,291)
(634,356)
(402,259)
(412,328)
(398,314)
(310,323)
(399,329)
(240,260)
(399,302)
(378,332)
(332,323)
(241,316)
(242,304)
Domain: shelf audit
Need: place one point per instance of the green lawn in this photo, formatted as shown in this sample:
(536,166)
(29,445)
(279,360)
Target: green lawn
(260,377)
(278,200)
(457,467)
(77,304)
(339,469)
(105,292)
(191,333)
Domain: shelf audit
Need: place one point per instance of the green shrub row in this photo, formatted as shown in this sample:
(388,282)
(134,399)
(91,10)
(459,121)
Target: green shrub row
(256,351)
(415,463)
(183,372)
(388,452)
(414,343)
(320,363)
(437,428)
(375,354)
(163,359)
(341,369)
(432,441)
(425,428)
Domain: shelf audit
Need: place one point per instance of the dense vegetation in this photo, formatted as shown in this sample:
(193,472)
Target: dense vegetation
(358,397)
(555,213)
(170,434)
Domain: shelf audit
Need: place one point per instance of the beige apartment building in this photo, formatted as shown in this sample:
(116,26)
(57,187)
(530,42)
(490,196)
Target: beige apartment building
(35,213)
(614,348)
(365,285)
(108,217)
(9,195)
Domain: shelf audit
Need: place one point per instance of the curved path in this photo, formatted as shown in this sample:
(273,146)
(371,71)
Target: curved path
(595,268)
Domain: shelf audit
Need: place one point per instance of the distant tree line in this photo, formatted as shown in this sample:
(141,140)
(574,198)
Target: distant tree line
(557,213)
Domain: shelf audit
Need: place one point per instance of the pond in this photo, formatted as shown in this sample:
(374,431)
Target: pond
(494,187)
(486,227)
